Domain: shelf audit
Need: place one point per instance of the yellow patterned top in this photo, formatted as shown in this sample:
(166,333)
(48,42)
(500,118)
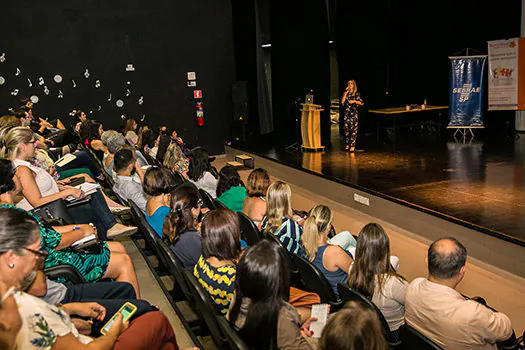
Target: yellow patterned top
(218,282)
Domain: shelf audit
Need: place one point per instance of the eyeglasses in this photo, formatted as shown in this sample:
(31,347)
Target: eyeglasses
(42,254)
(200,202)
(7,294)
(34,142)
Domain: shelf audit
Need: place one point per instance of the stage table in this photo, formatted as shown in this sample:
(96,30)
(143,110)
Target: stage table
(394,112)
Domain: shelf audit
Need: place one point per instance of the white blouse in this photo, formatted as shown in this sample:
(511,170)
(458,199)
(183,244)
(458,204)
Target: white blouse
(42,323)
(207,182)
(45,182)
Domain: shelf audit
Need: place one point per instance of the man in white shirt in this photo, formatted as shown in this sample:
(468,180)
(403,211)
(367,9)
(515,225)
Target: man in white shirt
(129,178)
(437,310)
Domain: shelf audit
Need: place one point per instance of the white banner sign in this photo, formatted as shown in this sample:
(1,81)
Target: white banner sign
(503,74)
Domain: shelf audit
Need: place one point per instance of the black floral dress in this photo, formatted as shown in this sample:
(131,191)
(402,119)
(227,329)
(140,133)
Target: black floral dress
(350,119)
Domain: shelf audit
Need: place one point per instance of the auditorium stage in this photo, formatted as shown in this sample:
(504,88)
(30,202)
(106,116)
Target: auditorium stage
(478,184)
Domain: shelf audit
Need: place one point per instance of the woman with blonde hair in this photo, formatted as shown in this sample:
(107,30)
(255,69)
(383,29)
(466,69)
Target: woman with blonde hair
(279,220)
(331,256)
(351,100)
(256,187)
(39,187)
(374,275)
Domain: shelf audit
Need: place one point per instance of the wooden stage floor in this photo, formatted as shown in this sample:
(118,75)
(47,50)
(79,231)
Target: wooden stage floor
(479,184)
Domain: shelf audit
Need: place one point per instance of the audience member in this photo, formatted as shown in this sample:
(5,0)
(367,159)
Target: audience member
(278,219)
(221,247)
(254,205)
(10,320)
(158,183)
(113,141)
(175,160)
(331,259)
(129,178)
(90,132)
(111,262)
(164,143)
(150,142)
(39,187)
(132,138)
(181,226)
(437,310)
(200,172)
(47,326)
(373,275)
(230,189)
(354,327)
(260,311)
(130,125)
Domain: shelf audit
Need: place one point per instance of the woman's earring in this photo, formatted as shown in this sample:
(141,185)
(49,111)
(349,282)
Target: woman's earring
(11,266)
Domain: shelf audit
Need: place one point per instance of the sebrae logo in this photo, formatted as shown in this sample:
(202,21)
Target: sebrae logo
(466,91)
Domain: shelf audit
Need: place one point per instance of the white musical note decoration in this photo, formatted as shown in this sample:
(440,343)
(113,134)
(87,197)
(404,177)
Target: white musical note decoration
(18,71)
(86,73)
(60,94)
(2,58)
(40,81)
(143,117)
(128,92)
(141,100)
(109,99)
(74,84)
(97,84)
(14,92)
(46,90)
(30,83)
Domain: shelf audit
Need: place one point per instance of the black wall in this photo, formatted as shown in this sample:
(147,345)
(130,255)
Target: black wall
(163,40)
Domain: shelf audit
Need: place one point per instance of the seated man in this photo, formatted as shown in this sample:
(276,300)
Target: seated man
(128,185)
(437,310)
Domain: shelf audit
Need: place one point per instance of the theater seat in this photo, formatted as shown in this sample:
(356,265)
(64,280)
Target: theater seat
(207,199)
(249,232)
(348,294)
(314,281)
(413,340)
(68,272)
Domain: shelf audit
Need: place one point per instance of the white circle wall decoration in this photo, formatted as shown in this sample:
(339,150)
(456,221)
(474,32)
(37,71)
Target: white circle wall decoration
(119,103)
(57,78)
(34,99)
(2,80)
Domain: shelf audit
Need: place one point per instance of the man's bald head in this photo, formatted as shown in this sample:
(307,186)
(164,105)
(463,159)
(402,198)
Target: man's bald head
(446,257)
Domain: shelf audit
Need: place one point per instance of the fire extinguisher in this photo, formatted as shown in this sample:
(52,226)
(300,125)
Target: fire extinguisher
(200,114)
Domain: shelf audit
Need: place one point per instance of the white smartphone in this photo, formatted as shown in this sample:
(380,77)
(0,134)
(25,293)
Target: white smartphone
(127,310)
(319,311)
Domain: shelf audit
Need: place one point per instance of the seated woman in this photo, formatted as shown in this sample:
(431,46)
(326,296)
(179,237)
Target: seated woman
(46,326)
(174,159)
(113,141)
(181,226)
(352,327)
(260,311)
(230,189)
(254,205)
(158,183)
(200,172)
(279,217)
(150,142)
(112,261)
(39,188)
(331,259)
(221,247)
(90,132)
(373,275)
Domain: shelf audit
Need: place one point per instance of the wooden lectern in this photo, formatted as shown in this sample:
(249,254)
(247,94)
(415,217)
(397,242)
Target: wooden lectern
(311,127)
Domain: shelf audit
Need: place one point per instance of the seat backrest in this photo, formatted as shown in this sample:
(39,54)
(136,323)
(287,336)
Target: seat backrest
(68,272)
(249,231)
(181,290)
(218,204)
(207,310)
(234,340)
(348,294)
(149,234)
(313,280)
(413,340)
(207,199)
